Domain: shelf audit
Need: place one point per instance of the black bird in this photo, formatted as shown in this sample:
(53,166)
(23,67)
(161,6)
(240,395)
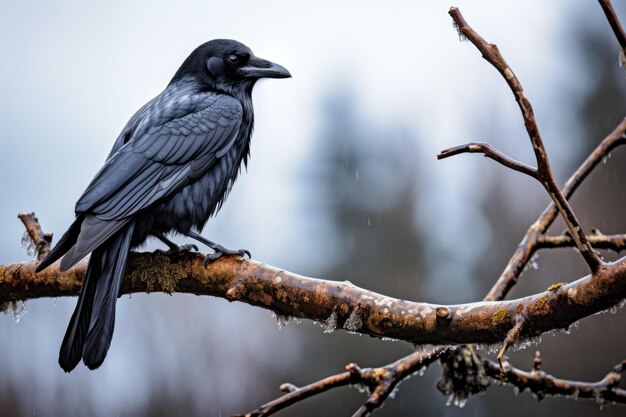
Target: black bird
(169,170)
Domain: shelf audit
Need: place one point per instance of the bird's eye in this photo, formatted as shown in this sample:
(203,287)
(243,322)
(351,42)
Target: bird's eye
(233,59)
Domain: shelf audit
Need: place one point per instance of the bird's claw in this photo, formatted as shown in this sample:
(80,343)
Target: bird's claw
(177,250)
(222,251)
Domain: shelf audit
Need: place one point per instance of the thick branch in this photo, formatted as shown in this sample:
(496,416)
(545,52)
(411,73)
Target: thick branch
(353,308)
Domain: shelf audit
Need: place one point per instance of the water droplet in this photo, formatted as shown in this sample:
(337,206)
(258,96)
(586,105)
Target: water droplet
(369,222)
(29,245)
(462,37)
(281,320)
(456,400)
(15,309)
(388,339)
(532,263)
(526,343)
(330,324)
(356,174)
(354,322)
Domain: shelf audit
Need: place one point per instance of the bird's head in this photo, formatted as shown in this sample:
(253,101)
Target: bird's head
(228,66)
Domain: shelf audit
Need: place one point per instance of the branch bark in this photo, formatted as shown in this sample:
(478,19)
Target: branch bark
(541,384)
(41,241)
(350,307)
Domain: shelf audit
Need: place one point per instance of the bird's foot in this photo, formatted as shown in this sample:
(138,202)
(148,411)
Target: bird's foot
(222,251)
(177,250)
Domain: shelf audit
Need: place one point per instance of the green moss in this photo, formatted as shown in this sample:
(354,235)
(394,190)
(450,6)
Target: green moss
(500,317)
(541,307)
(554,287)
(155,271)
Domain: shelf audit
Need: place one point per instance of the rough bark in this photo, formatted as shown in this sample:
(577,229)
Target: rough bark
(338,304)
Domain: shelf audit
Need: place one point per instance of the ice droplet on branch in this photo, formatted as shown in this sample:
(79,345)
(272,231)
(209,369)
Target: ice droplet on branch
(15,309)
(282,320)
(330,324)
(29,245)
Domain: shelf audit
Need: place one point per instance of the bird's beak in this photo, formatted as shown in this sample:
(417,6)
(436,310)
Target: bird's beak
(261,68)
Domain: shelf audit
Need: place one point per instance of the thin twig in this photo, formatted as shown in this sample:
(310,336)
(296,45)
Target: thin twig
(541,384)
(614,22)
(490,152)
(297,394)
(511,337)
(492,55)
(380,382)
(616,243)
(528,246)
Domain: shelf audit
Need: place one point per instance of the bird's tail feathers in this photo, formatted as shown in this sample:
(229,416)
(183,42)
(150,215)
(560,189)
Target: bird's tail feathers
(94,233)
(66,242)
(91,327)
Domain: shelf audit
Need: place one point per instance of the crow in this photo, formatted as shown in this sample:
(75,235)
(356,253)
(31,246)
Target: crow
(170,169)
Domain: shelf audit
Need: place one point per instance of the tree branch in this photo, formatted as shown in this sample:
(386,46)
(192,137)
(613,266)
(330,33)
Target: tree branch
(616,243)
(614,22)
(529,243)
(40,240)
(492,55)
(490,152)
(352,308)
(541,384)
(378,382)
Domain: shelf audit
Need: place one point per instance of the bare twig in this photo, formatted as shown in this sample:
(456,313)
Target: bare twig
(379,382)
(529,244)
(511,337)
(616,243)
(40,239)
(544,173)
(614,22)
(490,152)
(541,384)
(296,394)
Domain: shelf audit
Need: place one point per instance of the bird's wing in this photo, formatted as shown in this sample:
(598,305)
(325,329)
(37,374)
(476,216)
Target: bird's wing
(175,143)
